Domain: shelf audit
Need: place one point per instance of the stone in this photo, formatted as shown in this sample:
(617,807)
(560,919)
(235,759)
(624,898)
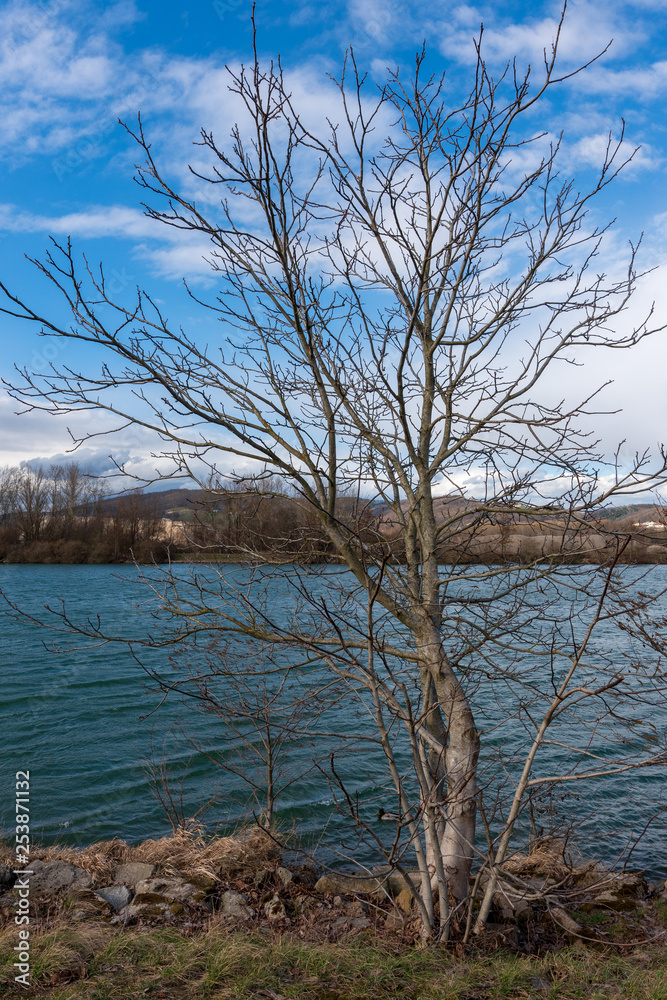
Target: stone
(512,903)
(612,900)
(133,872)
(384,883)
(171,889)
(513,907)
(284,874)
(56,876)
(118,895)
(235,904)
(404,901)
(262,877)
(565,921)
(7,878)
(360,923)
(149,910)
(619,883)
(628,883)
(275,909)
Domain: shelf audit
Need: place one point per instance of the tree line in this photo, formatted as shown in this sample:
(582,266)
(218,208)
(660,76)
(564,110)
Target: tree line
(58,515)
(61,514)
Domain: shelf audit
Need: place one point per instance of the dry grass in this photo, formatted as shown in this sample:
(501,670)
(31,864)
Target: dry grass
(189,853)
(547,858)
(186,852)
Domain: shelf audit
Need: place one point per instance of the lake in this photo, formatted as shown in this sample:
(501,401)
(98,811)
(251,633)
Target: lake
(85,722)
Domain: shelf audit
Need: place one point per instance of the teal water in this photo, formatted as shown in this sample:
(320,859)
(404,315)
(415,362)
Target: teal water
(85,722)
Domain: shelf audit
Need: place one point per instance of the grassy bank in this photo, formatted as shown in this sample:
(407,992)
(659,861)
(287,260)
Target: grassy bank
(98,962)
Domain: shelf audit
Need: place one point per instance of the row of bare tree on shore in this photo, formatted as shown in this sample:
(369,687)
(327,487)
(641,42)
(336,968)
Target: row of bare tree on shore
(57,515)
(62,514)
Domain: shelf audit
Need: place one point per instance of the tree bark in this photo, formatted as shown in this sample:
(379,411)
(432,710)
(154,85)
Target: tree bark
(454,774)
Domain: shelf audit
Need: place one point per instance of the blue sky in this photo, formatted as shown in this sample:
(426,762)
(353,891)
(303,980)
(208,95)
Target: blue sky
(69,70)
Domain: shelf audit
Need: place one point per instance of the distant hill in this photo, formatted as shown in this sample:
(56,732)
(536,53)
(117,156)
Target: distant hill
(174,503)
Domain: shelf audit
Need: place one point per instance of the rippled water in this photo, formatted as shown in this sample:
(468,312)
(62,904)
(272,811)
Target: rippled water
(84,723)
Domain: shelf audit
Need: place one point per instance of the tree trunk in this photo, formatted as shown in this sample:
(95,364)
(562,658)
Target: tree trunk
(454,773)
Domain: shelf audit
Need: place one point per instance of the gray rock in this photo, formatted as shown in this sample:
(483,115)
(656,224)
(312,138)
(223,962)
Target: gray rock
(7,878)
(148,911)
(383,883)
(56,876)
(135,871)
(565,921)
(118,895)
(262,877)
(234,904)
(628,883)
(360,923)
(617,901)
(170,889)
(284,874)
(275,909)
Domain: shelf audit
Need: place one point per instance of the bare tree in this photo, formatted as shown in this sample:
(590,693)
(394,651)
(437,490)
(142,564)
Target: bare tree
(33,496)
(8,494)
(267,715)
(387,322)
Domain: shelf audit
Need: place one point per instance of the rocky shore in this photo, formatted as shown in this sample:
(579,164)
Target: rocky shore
(543,898)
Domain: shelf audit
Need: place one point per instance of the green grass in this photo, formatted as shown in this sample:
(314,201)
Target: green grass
(96,962)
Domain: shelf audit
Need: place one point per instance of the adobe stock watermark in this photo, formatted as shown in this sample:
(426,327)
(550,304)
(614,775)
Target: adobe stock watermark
(30,23)
(22,872)
(384,15)
(225,7)
(93,139)
(51,347)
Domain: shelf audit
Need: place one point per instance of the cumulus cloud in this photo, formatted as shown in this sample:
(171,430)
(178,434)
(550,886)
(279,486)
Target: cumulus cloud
(66,78)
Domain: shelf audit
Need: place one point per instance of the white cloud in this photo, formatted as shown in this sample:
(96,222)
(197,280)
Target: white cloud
(591,150)
(639,82)
(27,434)
(97,221)
(586,31)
